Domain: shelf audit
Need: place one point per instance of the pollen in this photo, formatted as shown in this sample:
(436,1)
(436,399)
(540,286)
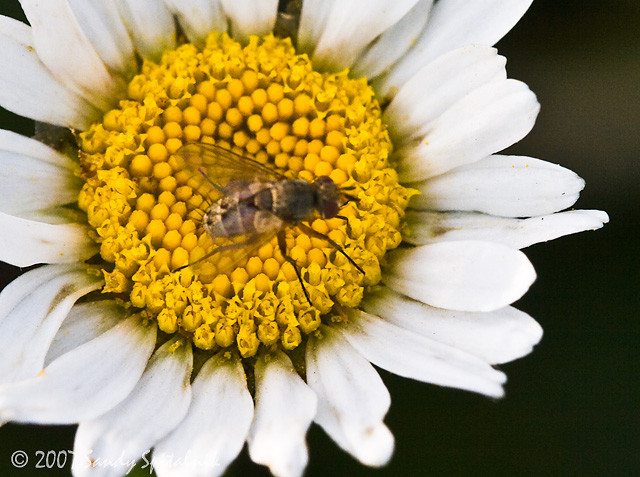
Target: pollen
(264,102)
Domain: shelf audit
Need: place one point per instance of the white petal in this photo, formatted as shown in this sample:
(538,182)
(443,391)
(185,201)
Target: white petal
(249,17)
(150,25)
(82,384)
(215,427)
(84,322)
(28,88)
(487,120)
(465,275)
(496,337)
(393,43)
(36,186)
(454,23)
(351,26)
(431,227)
(352,399)
(60,215)
(153,409)
(314,18)
(25,242)
(65,49)
(509,186)
(32,308)
(11,142)
(198,18)
(23,180)
(285,407)
(439,85)
(101,22)
(411,355)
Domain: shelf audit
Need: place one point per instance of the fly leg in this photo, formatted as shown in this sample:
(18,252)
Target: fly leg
(314,233)
(282,245)
(206,177)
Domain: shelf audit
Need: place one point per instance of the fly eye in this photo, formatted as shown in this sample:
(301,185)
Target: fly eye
(330,209)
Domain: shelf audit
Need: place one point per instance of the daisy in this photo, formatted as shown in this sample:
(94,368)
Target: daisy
(126,330)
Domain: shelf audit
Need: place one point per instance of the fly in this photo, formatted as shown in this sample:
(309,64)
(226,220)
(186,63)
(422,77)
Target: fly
(256,203)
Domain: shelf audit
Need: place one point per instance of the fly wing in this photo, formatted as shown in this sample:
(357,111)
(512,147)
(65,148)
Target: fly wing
(215,172)
(219,166)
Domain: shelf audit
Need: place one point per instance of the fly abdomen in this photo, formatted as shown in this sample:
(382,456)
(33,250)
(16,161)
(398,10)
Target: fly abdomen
(225,219)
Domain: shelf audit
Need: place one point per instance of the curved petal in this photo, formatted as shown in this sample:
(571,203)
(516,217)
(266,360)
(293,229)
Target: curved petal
(248,17)
(393,43)
(84,322)
(153,409)
(32,308)
(150,25)
(465,275)
(483,122)
(101,22)
(60,215)
(23,177)
(313,22)
(64,48)
(351,26)
(438,86)
(198,18)
(25,242)
(495,337)
(12,142)
(72,388)
(454,23)
(29,89)
(215,427)
(285,407)
(509,186)
(352,399)
(411,355)
(430,227)
(23,181)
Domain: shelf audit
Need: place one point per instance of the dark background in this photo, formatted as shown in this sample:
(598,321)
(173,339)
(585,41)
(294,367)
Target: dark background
(571,406)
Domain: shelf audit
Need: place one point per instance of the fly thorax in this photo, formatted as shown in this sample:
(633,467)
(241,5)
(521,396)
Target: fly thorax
(293,200)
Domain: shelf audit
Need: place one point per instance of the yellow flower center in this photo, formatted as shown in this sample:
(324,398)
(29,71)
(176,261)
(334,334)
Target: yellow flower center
(264,102)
